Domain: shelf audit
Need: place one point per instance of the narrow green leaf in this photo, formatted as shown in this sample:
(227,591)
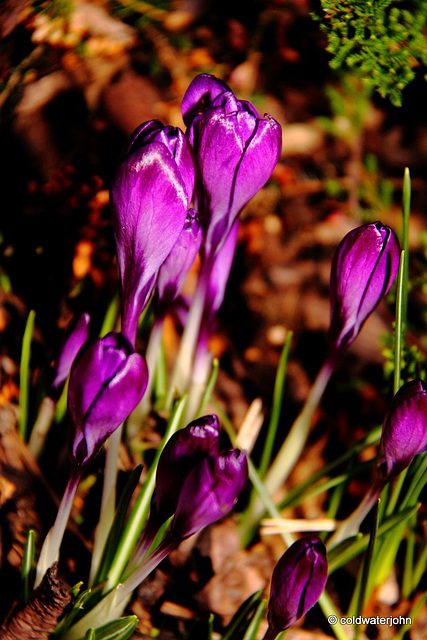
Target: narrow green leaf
(279,387)
(90,634)
(160,377)
(366,567)
(419,568)
(27,570)
(406,209)
(139,513)
(120,629)
(399,325)
(343,553)
(117,526)
(242,617)
(253,627)
(209,386)
(24,375)
(110,317)
(77,608)
(408,567)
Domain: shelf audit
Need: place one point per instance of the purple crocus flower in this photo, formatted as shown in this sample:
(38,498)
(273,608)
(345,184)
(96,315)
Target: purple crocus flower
(107,381)
(363,269)
(405,428)
(297,583)
(150,194)
(76,335)
(175,268)
(235,151)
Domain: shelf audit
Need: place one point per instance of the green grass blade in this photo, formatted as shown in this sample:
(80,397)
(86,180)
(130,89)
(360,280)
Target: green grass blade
(210,385)
(160,378)
(139,513)
(406,208)
(110,317)
(419,568)
(90,634)
(117,526)
(24,376)
(399,325)
(366,568)
(408,567)
(120,629)
(242,616)
(27,570)
(279,387)
(253,627)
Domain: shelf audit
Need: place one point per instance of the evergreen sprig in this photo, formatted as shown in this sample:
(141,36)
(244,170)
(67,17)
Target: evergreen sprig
(378,39)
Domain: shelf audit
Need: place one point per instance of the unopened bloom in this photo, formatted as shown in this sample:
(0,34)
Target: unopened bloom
(235,152)
(195,481)
(175,268)
(107,381)
(150,194)
(363,269)
(77,334)
(405,428)
(297,583)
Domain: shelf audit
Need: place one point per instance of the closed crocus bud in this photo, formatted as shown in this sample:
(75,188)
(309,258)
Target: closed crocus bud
(76,336)
(184,449)
(209,492)
(363,269)
(175,268)
(297,582)
(150,194)
(405,429)
(107,381)
(235,151)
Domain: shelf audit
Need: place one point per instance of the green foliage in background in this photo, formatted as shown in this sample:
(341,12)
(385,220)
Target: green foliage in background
(379,39)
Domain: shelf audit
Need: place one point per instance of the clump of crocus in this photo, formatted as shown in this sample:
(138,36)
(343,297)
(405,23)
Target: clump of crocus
(107,381)
(195,482)
(151,194)
(405,429)
(363,269)
(297,583)
(403,437)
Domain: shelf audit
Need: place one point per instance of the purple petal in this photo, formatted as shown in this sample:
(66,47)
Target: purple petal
(405,428)
(107,381)
(76,336)
(232,142)
(182,452)
(363,269)
(201,92)
(209,492)
(175,268)
(150,203)
(298,580)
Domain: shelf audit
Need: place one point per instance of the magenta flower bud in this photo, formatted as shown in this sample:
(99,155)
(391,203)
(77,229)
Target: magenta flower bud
(363,269)
(209,492)
(107,381)
(235,151)
(297,583)
(150,194)
(405,429)
(183,450)
(76,335)
(175,268)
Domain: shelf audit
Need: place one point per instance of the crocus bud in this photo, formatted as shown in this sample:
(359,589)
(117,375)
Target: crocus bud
(297,583)
(183,450)
(235,151)
(194,480)
(209,492)
(107,381)
(150,194)
(405,429)
(76,335)
(363,269)
(175,268)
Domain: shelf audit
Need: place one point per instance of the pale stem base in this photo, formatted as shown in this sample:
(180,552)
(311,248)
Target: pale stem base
(41,426)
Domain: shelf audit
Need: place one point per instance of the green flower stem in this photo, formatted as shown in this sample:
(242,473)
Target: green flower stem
(138,515)
(151,356)
(50,550)
(108,501)
(292,446)
(41,426)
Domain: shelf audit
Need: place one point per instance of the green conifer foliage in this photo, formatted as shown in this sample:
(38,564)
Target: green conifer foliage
(379,39)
